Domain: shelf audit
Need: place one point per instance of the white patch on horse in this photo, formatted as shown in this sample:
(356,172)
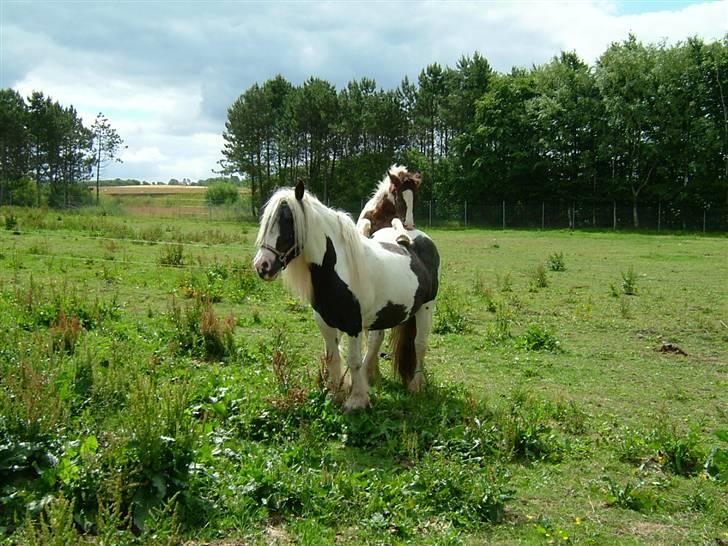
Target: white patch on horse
(409,199)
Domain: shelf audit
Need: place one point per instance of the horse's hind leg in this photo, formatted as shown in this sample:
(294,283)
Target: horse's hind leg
(423,317)
(332,355)
(371,360)
(359,397)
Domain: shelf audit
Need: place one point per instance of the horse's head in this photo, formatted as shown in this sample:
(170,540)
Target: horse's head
(276,241)
(404,187)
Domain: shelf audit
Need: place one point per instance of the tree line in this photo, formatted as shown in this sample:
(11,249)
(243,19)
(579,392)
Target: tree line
(646,122)
(46,151)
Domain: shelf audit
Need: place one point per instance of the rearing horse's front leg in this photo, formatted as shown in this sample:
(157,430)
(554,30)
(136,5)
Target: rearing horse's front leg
(359,397)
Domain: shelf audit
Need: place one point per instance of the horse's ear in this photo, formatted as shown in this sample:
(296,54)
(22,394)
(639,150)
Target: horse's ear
(394,179)
(300,188)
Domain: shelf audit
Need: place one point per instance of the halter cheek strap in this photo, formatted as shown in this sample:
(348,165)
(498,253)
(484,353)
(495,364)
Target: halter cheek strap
(284,257)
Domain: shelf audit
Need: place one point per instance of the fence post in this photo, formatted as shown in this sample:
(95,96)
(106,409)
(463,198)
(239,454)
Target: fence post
(614,215)
(504,214)
(543,215)
(659,214)
(703,220)
(429,223)
(466,214)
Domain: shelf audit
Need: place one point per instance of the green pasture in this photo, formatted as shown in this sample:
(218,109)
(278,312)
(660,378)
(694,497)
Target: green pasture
(154,391)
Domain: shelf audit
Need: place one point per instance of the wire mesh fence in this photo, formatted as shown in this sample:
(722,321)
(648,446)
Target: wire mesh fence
(546,215)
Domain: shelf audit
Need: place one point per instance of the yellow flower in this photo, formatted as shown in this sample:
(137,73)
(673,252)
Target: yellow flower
(577,520)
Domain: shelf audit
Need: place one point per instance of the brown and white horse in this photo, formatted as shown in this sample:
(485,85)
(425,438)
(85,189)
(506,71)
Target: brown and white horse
(394,198)
(390,206)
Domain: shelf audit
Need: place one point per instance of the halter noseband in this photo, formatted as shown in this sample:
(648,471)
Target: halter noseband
(284,257)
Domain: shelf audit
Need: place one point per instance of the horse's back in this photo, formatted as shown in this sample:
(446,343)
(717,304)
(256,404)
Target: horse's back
(424,260)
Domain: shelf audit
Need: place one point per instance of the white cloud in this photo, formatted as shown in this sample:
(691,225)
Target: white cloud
(147,154)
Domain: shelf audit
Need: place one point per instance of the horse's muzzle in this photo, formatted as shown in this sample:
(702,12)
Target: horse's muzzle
(266,265)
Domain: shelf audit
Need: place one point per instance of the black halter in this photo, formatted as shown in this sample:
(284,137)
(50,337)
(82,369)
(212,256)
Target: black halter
(284,257)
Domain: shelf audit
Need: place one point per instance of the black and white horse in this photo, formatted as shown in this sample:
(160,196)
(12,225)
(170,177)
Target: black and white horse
(353,283)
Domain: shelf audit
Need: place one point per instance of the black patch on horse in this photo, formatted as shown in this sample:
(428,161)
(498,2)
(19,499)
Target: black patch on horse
(332,299)
(397,249)
(389,316)
(286,235)
(425,263)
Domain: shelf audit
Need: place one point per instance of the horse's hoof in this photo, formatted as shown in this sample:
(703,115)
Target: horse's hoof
(356,404)
(417,383)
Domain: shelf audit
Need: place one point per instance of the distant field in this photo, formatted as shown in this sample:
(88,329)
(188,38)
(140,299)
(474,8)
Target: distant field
(165,201)
(148,376)
(159,189)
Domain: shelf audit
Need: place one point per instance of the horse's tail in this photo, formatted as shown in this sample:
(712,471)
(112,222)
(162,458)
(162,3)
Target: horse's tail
(405,357)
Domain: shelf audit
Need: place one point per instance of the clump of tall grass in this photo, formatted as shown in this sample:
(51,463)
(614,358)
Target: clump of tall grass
(198,331)
(556,261)
(538,278)
(65,333)
(499,330)
(449,315)
(156,448)
(538,338)
(482,290)
(504,282)
(172,255)
(628,287)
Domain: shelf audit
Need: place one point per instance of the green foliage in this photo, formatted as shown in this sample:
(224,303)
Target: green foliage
(198,331)
(172,255)
(675,451)
(538,338)
(158,447)
(11,222)
(538,278)
(57,304)
(556,261)
(449,315)
(56,526)
(505,282)
(629,282)
(499,330)
(222,193)
(631,496)
(23,193)
(678,452)
(716,465)
(149,442)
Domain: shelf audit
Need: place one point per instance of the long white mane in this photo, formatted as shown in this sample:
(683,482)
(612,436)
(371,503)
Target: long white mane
(382,189)
(312,218)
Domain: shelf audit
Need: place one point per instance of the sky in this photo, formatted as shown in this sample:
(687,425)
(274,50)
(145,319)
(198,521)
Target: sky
(165,73)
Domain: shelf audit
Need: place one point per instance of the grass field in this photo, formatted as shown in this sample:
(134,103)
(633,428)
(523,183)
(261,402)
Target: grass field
(153,390)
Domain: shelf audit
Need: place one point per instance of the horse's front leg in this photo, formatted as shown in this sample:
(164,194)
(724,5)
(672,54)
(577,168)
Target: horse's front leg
(402,237)
(359,397)
(332,355)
